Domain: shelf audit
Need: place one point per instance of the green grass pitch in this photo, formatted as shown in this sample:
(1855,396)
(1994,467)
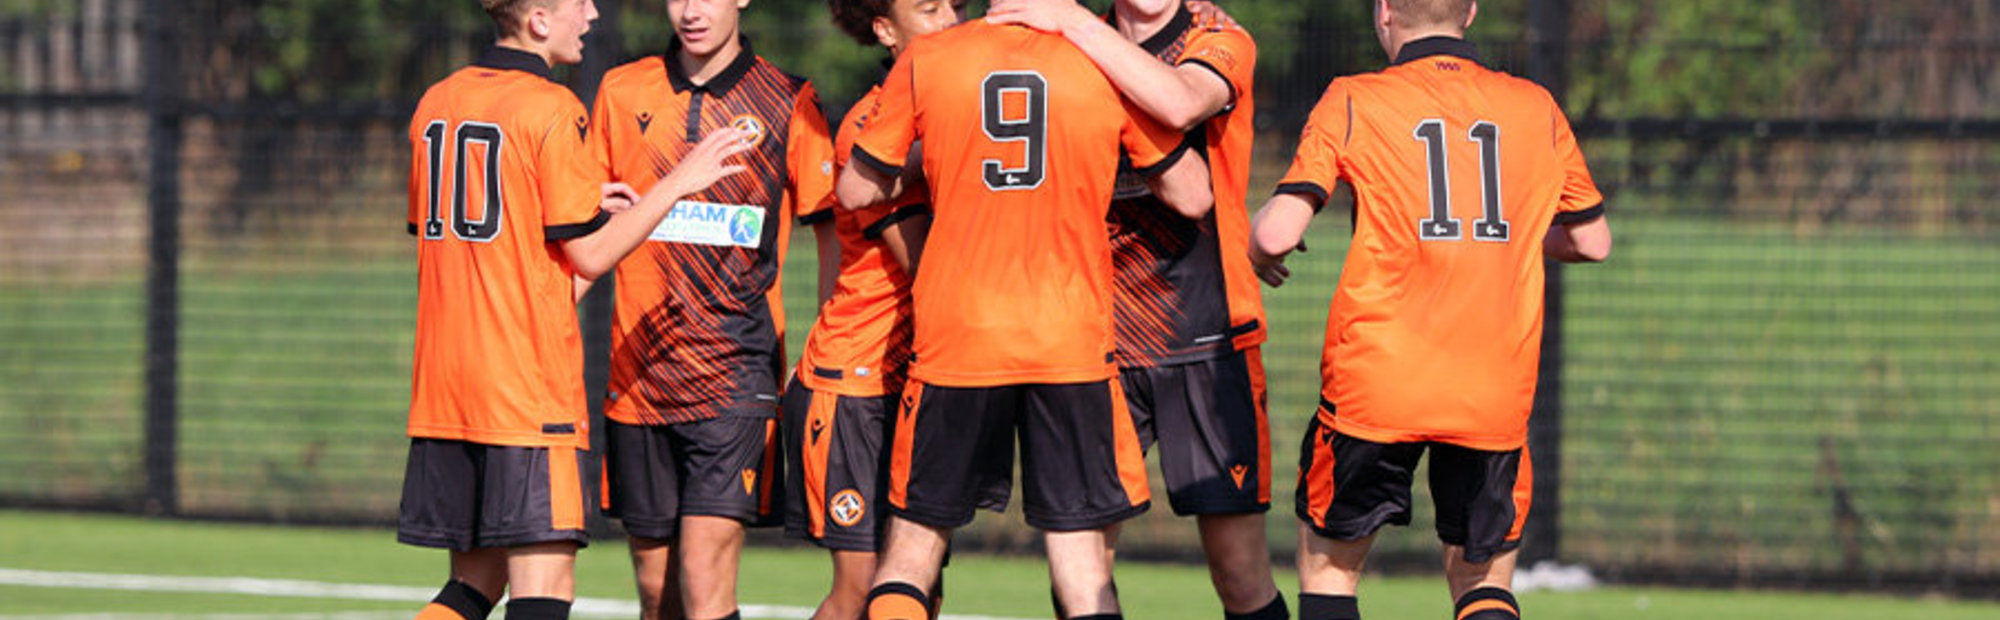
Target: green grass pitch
(793,576)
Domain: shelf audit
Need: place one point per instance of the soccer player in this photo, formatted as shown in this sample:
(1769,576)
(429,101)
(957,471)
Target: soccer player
(838,406)
(1190,316)
(697,352)
(1464,179)
(1012,303)
(505,202)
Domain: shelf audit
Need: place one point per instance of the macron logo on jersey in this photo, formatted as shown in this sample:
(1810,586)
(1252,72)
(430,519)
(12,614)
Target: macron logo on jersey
(707,223)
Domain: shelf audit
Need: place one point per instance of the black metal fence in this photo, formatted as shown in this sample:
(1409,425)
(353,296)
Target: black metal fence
(1784,376)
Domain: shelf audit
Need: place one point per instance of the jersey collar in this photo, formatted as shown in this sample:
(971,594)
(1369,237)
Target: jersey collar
(510,59)
(718,85)
(1165,38)
(1436,46)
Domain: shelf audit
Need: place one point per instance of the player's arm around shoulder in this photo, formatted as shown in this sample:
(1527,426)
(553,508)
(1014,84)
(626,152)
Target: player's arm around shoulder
(1184,184)
(885,162)
(1180,97)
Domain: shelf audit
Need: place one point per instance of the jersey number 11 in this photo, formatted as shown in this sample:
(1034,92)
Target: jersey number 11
(1441,226)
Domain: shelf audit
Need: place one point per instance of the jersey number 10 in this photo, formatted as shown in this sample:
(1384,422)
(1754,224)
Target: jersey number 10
(1441,226)
(481,230)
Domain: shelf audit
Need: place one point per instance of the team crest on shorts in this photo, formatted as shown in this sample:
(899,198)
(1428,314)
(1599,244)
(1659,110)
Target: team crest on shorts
(847,507)
(750,125)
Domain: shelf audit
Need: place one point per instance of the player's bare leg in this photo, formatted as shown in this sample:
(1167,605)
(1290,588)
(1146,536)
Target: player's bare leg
(853,573)
(482,571)
(545,570)
(912,554)
(1328,566)
(652,571)
(1080,569)
(485,569)
(1481,587)
(1329,575)
(1239,561)
(711,549)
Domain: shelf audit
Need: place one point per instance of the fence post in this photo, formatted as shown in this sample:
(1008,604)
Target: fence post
(163,107)
(601,52)
(1548,37)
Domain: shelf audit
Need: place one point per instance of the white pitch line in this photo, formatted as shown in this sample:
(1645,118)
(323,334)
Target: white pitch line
(252,586)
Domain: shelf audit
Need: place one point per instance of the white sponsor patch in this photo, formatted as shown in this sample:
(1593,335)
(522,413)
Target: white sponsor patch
(707,223)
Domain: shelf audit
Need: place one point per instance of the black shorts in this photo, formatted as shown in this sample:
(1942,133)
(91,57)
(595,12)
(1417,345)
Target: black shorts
(1350,487)
(1208,419)
(461,495)
(722,467)
(1081,467)
(835,466)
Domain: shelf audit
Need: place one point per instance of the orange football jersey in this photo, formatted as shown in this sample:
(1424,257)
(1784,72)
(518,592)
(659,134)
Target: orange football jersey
(499,173)
(1186,291)
(1021,140)
(1458,170)
(860,345)
(699,324)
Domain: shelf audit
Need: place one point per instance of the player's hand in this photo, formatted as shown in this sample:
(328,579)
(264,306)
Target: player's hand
(617,198)
(1043,15)
(705,164)
(1270,269)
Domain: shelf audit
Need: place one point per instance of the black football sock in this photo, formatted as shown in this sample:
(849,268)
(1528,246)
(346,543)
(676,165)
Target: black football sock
(537,608)
(1274,610)
(457,599)
(1488,603)
(1328,607)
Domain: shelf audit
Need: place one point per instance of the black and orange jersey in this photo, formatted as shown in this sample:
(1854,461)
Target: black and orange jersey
(1458,170)
(499,173)
(699,326)
(1186,291)
(1021,138)
(860,345)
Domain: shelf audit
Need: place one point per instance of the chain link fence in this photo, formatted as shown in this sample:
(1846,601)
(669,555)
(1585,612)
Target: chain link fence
(1783,376)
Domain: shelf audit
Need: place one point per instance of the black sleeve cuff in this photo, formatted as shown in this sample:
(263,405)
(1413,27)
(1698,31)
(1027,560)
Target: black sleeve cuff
(572,231)
(1218,73)
(875,230)
(1180,150)
(1578,217)
(413,229)
(862,155)
(817,217)
(1312,191)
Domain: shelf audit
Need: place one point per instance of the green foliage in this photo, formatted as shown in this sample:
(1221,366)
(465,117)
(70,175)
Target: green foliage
(1703,59)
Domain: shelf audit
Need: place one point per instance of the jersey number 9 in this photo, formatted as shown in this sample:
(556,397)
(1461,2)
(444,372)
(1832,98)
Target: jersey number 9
(1029,125)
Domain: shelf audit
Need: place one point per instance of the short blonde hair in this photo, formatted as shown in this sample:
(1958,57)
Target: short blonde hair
(1431,13)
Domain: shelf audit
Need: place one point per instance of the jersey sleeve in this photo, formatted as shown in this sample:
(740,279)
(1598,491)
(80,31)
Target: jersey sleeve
(1316,167)
(1231,54)
(877,220)
(809,149)
(1151,146)
(599,139)
(884,142)
(571,177)
(1580,200)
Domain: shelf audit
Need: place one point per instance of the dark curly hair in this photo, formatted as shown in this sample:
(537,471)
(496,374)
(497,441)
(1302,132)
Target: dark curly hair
(857,17)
